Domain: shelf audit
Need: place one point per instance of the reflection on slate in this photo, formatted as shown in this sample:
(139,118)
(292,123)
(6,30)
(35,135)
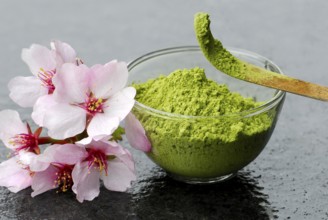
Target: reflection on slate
(238,198)
(109,205)
(154,197)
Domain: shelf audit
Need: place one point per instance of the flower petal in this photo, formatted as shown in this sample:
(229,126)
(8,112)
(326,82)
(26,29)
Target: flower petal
(26,90)
(44,181)
(101,126)
(107,147)
(64,50)
(39,163)
(126,158)
(88,140)
(37,57)
(120,104)
(11,125)
(136,134)
(40,108)
(129,92)
(71,83)
(68,154)
(84,141)
(13,175)
(64,120)
(113,148)
(119,176)
(86,182)
(109,79)
(26,157)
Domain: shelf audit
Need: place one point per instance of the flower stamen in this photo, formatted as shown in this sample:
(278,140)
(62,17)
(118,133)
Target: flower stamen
(78,61)
(26,142)
(98,160)
(46,79)
(93,105)
(64,180)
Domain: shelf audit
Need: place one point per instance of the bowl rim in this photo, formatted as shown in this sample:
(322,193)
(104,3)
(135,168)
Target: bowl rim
(279,95)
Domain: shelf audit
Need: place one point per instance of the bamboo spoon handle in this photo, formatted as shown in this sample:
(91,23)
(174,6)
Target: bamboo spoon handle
(224,61)
(282,82)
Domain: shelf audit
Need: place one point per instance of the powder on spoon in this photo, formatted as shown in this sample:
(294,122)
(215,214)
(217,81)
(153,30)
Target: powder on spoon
(214,51)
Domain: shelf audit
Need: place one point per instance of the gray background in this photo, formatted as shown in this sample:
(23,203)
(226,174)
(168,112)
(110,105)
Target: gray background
(288,180)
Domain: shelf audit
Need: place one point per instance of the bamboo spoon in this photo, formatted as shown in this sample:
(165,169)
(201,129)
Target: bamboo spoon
(224,61)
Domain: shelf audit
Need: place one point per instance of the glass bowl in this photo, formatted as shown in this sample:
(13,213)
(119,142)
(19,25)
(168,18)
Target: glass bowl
(198,149)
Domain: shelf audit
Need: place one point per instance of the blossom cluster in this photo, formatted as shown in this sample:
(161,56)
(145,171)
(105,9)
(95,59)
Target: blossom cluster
(80,108)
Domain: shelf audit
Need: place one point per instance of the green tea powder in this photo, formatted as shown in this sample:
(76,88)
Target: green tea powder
(200,146)
(189,92)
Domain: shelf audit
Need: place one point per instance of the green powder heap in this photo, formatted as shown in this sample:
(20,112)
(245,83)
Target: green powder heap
(201,147)
(189,92)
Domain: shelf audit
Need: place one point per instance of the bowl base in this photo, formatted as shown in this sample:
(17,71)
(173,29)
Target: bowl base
(201,181)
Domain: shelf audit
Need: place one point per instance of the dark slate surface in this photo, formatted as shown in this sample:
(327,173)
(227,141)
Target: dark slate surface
(289,180)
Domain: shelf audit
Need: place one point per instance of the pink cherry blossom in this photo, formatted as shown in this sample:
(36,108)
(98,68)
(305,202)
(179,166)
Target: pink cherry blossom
(15,134)
(53,168)
(136,134)
(88,98)
(107,161)
(43,64)
(15,173)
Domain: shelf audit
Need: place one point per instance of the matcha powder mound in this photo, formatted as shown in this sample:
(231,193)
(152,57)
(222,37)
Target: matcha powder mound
(200,146)
(189,92)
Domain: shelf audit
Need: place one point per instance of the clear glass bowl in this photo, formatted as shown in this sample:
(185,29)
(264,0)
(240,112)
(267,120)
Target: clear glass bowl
(197,149)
